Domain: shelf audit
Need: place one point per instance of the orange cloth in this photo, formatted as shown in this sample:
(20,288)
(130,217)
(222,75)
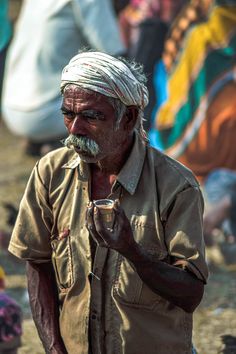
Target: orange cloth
(215,142)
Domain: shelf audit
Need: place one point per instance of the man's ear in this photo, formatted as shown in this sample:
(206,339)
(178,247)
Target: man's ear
(130,117)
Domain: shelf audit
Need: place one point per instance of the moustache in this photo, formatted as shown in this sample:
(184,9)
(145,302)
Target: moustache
(82,143)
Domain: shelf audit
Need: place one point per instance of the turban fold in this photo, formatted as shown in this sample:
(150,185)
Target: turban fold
(107,75)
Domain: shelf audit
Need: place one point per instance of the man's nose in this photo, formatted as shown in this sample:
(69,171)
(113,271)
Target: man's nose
(77,126)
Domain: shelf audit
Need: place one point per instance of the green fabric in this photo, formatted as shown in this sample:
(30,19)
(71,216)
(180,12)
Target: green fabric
(225,2)
(217,62)
(5,27)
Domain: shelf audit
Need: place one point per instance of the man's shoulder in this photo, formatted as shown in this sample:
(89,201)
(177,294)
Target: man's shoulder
(170,170)
(57,160)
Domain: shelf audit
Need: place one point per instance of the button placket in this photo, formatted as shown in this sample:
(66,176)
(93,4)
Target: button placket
(97,298)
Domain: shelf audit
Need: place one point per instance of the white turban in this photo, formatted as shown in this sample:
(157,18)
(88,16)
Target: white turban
(107,75)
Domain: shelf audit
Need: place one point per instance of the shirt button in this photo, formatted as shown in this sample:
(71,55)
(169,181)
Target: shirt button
(94,317)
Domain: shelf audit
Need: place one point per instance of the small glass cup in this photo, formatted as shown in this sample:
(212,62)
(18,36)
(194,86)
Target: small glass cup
(105,207)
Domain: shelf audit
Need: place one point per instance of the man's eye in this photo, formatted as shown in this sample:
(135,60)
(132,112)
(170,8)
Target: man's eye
(89,115)
(92,115)
(68,115)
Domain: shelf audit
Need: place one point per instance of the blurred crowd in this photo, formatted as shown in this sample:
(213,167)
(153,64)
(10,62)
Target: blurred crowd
(188,51)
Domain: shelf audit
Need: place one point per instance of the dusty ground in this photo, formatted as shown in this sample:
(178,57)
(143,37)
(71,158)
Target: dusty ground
(214,320)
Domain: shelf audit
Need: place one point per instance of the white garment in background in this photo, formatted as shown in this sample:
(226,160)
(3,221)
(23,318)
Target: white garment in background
(47,35)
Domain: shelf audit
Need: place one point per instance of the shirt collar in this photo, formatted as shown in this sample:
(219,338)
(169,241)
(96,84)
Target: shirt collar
(72,163)
(130,173)
(76,162)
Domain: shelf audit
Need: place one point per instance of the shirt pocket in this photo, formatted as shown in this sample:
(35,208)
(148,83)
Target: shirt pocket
(62,261)
(130,290)
(128,286)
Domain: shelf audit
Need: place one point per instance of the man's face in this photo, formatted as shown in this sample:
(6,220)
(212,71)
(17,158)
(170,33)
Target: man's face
(91,118)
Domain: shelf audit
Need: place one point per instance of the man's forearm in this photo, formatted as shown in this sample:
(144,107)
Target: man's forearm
(175,284)
(44,306)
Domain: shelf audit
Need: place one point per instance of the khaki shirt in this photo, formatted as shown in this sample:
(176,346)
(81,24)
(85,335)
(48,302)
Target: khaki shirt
(163,202)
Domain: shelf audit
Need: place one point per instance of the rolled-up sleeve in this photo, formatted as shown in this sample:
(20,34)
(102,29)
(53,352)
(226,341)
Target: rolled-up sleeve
(183,232)
(30,239)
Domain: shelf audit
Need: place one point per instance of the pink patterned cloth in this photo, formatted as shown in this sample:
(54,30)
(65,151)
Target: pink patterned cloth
(138,11)
(166,10)
(10,318)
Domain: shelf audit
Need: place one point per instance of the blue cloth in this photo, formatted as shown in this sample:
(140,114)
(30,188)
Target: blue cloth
(5,27)
(220,183)
(160,86)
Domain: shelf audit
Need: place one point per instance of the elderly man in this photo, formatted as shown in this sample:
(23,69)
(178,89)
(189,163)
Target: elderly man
(130,288)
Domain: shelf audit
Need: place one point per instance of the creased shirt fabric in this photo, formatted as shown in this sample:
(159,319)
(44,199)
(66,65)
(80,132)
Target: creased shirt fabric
(162,200)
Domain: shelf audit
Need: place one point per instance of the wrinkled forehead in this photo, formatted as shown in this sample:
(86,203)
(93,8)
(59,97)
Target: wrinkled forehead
(74,91)
(76,98)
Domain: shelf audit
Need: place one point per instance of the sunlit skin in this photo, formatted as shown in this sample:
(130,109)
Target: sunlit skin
(91,115)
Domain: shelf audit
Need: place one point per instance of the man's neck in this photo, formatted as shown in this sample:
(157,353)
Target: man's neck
(112,165)
(104,173)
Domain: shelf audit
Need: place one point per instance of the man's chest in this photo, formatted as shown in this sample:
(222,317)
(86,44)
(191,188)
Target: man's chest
(101,185)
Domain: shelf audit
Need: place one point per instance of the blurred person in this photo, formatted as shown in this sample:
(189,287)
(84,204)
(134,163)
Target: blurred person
(5,36)
(47,34)
(219,222)
(220,190)
(10,320)
(119,6)
(192,13)
(197,123)
(144,25)
(130,288)
(137,12)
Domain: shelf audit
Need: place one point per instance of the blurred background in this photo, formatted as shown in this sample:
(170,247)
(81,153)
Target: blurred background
(156,34)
